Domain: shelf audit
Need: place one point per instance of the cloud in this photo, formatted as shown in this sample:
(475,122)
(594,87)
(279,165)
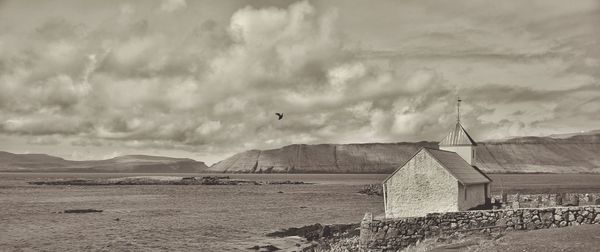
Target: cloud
(172,5)
(128,80)
(208,128)
(44,140)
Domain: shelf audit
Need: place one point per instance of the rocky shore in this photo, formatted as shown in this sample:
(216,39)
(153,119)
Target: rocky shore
(163,180)
(372,189)
(332,237)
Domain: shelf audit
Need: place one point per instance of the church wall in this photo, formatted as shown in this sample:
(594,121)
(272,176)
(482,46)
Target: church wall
(474,196)
(421,186)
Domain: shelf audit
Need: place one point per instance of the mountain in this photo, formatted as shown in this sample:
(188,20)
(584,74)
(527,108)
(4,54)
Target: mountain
(554,154)
(323,158)
(565,153)
(131,163)
(568,153)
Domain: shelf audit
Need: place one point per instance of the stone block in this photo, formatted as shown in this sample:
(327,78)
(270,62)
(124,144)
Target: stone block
(527,213)
(536,202)
(552,200)
(573,199)
(392,232)
(547,217)
(515,205)
(558,217)
(380,235)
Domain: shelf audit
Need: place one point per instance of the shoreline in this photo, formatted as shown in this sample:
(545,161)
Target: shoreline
(266,173)
(163,180)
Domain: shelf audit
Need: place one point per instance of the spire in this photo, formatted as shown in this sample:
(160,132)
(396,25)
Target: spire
(458,109)
(457,136)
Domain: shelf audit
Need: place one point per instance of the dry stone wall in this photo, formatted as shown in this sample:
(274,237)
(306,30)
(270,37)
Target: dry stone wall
(517,200)
(395,234)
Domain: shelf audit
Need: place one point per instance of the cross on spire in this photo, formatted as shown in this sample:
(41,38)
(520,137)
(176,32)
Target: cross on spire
(458,109)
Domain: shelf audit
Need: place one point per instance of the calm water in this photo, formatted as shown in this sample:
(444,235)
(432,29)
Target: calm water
(199,218)
(158,218)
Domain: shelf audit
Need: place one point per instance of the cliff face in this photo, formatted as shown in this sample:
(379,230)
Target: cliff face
(323,158)
(571,154)
(133,163)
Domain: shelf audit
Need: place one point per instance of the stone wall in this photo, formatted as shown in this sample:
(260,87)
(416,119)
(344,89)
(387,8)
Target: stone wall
(394,234)
(517,200)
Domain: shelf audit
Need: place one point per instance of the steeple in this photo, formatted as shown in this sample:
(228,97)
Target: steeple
(458,136)
(458,140)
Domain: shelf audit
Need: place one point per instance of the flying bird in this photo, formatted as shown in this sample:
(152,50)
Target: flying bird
(279,116)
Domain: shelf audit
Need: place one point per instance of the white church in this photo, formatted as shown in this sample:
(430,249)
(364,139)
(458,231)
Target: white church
(437,180)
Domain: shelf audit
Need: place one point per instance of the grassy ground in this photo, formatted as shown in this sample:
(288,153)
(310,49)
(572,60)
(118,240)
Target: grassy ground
(545,183)
(575,238)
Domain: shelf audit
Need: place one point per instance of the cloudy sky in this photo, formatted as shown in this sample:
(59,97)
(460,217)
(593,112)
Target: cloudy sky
(203,79)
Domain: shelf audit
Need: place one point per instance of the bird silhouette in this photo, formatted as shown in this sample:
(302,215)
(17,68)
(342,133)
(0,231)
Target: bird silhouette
(279,116)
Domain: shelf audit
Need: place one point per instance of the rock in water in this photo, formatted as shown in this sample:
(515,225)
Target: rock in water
(372,189)
(82,211)
(266,248)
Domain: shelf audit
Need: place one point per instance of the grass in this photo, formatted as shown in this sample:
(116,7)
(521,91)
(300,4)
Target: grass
(574,238)
(545,183)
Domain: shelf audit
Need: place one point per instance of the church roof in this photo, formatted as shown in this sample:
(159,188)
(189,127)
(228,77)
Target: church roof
(458,167)
(458,136)
(455,165)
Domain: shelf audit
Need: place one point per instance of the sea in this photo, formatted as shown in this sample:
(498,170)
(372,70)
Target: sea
(202,217)
(174,217)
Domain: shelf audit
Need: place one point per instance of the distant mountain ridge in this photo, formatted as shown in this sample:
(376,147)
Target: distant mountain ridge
(564,153)
(567,153)
(130,163)
(322,158)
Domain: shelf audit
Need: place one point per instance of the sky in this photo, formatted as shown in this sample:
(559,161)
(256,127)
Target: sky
(204,79)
